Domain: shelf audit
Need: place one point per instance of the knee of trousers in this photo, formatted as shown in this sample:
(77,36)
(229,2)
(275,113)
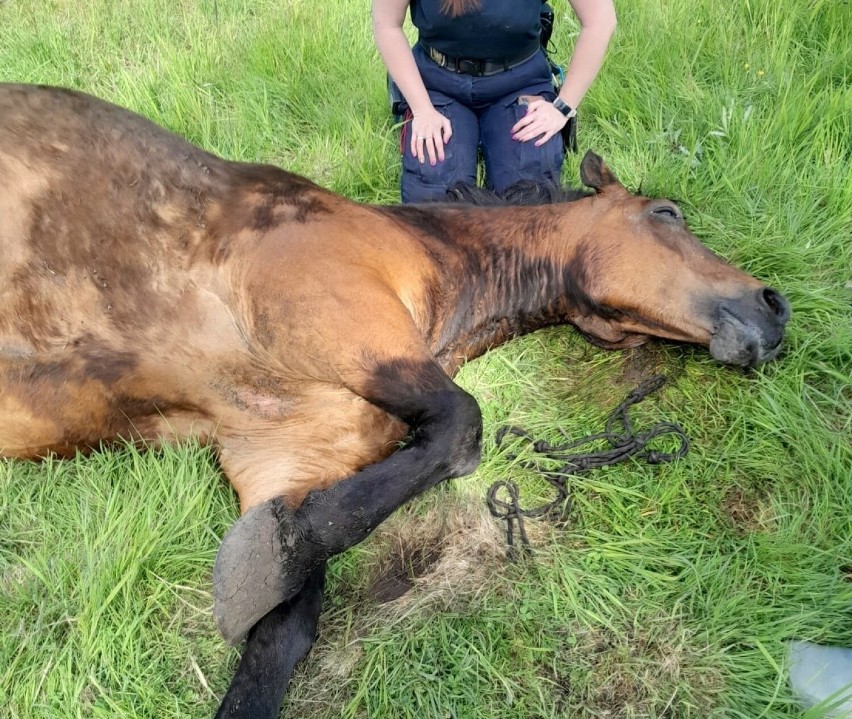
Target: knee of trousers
(424,182)
(525,161)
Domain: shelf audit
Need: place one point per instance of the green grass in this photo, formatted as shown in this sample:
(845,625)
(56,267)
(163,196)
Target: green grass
(673,589)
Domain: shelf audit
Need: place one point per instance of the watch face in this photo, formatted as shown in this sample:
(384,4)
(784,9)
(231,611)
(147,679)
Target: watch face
(562,106)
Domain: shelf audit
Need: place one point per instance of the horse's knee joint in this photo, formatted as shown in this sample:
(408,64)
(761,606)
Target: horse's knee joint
(465,462)
(467,445)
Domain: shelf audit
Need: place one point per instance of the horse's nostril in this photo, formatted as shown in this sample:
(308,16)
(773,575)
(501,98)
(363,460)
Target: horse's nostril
(776,302)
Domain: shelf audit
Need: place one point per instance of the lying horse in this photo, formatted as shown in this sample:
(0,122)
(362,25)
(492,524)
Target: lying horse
(152,292)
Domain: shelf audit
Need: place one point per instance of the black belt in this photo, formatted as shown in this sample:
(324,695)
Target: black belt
(470,66)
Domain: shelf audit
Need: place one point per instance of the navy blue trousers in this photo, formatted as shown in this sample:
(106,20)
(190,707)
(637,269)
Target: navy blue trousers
(482,111)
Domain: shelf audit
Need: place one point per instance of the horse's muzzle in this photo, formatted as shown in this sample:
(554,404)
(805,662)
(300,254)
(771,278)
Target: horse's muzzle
(749,329)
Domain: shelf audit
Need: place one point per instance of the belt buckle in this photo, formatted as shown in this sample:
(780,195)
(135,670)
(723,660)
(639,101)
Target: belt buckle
(471,67)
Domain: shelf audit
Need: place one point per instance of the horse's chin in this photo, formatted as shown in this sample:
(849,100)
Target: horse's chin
(737,343)
(623,343)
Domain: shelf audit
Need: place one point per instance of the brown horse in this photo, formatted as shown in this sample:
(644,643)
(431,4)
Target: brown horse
(152,292)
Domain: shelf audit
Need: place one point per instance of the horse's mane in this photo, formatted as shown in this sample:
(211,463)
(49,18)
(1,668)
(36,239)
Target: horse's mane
(525,192)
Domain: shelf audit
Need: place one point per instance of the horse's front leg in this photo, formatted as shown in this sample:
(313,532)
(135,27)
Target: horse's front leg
(279,641)
(266,556)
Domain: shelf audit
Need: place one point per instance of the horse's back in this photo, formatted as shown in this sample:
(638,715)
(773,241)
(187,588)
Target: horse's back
(100,214)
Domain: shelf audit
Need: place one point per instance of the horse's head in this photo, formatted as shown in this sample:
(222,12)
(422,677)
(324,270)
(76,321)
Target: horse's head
(640,272)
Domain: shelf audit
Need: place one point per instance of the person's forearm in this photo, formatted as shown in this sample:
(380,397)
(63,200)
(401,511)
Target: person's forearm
(586,62)
(597,21)
(396,53)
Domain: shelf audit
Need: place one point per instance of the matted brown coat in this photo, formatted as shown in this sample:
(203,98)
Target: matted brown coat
(152,292)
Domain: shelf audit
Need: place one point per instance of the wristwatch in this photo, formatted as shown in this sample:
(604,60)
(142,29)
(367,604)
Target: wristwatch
(563,107)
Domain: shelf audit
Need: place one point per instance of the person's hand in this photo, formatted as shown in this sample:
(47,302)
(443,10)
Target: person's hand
(430,131)
(542,121)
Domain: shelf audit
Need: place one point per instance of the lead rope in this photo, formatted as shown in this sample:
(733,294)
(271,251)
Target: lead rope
(622,446)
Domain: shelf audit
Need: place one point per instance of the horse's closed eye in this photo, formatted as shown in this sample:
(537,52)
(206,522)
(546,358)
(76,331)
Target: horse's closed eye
(666,211)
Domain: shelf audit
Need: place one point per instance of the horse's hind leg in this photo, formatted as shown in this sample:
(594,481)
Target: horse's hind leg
(279,641)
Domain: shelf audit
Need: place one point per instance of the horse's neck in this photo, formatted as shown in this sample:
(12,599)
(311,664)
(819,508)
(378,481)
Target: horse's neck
(515,270)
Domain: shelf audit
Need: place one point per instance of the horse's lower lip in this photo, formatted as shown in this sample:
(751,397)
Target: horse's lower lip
(775,345)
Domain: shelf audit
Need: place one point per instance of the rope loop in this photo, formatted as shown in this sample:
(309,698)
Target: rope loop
(622,446)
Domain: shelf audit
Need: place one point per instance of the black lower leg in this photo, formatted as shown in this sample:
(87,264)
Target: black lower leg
(446,444)
(279,641)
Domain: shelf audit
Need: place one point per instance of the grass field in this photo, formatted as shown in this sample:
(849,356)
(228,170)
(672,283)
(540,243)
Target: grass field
(673,589)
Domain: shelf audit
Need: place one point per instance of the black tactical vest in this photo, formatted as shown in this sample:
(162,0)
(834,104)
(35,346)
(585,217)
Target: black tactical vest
(498,29)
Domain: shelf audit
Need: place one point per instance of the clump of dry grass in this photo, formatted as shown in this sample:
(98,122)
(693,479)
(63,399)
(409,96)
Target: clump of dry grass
(443,553)
(658,669)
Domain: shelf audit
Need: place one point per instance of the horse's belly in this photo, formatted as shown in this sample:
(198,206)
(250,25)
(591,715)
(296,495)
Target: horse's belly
(48,406)
(33,425)
(328,434)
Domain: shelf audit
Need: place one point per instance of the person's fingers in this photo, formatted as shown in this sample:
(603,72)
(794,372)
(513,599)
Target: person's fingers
(422,141)
(543,121)
(537,131)
(430,149)
(447,130)
(439,146)
(544,138)
(529,132)
(532,114)
(428,135)
(522,123)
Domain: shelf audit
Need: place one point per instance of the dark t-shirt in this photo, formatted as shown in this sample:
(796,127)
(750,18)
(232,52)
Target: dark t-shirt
(498,29)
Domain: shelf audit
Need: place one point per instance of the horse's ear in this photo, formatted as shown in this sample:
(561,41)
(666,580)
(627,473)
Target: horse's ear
(594,172)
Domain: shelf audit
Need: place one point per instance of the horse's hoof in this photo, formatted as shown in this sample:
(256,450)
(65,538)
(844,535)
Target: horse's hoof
(262,561)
